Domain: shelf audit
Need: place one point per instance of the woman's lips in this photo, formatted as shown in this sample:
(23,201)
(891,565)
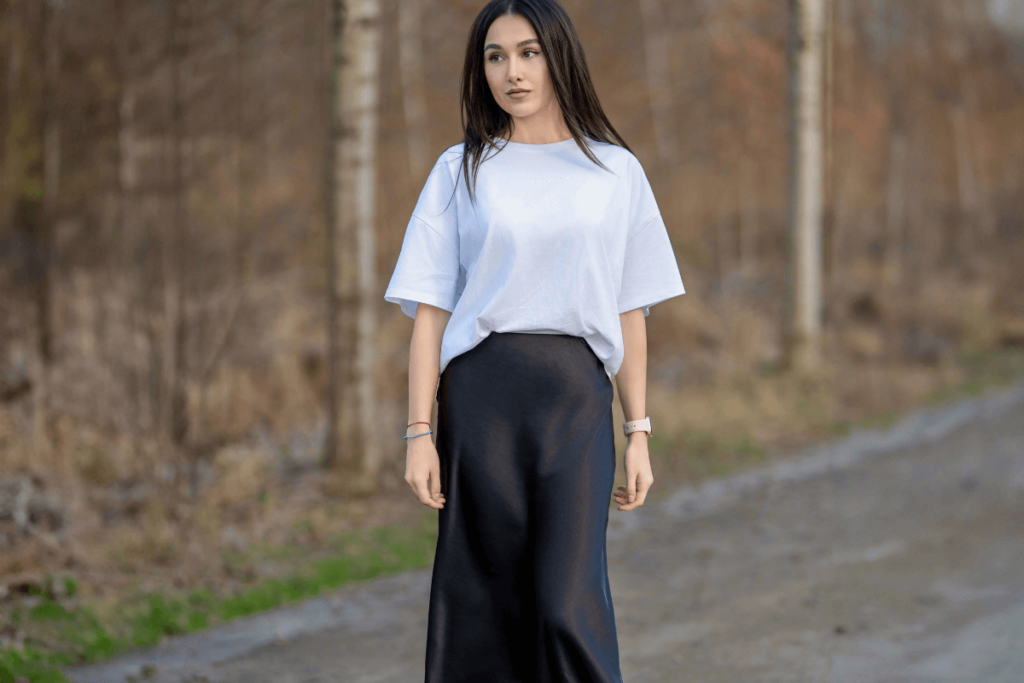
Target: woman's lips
(519,94)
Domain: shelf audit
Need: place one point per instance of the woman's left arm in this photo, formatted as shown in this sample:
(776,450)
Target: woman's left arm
(631,380)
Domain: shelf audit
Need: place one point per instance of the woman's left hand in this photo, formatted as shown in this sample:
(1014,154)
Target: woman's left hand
(639,477)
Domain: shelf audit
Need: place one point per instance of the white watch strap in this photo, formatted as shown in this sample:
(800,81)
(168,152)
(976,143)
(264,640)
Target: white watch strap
(643,425)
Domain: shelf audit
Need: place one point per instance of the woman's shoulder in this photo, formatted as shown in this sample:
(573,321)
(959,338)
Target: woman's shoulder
(453,154)
(446,167)
(616,151)
(616,157)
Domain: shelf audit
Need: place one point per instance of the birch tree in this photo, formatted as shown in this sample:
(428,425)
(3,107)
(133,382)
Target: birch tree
(361,85)
(807,176)
(355,226)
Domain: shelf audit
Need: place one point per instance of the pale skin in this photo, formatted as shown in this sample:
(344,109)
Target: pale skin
(513,61)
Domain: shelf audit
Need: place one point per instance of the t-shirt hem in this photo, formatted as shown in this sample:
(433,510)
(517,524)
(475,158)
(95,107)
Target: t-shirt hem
(650,300)
(402,297)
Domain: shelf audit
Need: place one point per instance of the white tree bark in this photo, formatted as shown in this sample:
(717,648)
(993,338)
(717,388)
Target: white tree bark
(360,94)
(805,351)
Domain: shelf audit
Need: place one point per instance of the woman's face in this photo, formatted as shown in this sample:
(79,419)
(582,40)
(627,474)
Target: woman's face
(516,70)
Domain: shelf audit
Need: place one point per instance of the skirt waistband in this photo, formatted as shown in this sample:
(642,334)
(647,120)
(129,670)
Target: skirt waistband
(555,362)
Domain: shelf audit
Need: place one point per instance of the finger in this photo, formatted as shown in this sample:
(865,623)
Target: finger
(622,498)
(425,496)
(628,503)
(431,503)
(422,492)
(435,483)
(631,487)
(431,481)
(624,504)
(641,496)
(643,487)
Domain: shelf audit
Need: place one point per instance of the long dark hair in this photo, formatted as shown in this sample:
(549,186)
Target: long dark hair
(483,119)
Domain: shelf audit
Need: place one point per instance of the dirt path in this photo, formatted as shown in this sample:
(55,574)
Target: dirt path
(893,557)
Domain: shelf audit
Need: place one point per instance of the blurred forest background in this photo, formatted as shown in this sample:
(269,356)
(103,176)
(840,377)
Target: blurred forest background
(182,222)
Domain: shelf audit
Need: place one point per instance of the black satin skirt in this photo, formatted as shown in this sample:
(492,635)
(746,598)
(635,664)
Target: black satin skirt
(519,591)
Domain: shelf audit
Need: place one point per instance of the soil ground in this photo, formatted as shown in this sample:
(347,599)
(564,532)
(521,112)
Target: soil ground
(890,557)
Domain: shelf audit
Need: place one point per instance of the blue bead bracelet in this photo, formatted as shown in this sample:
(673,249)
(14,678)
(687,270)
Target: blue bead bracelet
(420,434)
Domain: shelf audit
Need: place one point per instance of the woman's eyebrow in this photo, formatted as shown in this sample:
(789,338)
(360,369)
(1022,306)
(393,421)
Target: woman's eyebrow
(521,43)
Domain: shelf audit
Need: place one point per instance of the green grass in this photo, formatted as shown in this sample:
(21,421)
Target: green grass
(985,370)
(77,635)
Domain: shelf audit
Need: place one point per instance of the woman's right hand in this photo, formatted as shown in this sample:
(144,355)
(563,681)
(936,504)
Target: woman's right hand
(423,470)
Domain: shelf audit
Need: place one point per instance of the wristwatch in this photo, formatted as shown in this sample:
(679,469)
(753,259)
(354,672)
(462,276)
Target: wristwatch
(643,425)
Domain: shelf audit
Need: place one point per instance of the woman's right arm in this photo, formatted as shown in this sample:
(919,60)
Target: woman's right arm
(422,465)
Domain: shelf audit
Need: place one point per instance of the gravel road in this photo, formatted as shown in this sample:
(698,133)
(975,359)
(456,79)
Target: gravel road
(887,557)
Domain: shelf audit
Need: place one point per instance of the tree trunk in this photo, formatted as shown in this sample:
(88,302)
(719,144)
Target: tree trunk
(967,189)
(174,403)
(11,162)
(829,228)
(414,95)
(127,155)
(121,267)
(659,83)
(749,228)
(895,205)
(240,139)
(51,193)
(360,75)
(805,352)
(332,199)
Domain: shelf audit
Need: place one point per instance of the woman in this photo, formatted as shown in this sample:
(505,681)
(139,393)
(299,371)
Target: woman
(531,260)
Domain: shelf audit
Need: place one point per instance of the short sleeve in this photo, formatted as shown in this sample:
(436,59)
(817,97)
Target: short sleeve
(650,273)
(427,270)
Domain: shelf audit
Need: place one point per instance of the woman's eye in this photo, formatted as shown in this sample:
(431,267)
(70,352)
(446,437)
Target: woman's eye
(494,56)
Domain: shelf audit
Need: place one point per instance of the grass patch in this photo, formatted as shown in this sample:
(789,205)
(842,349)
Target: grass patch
(745,419)
(985,370)
(57,635)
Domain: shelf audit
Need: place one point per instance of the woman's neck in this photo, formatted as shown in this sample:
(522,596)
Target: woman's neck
(541,128)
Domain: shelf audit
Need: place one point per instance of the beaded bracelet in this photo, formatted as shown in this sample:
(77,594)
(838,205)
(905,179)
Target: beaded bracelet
(420,434)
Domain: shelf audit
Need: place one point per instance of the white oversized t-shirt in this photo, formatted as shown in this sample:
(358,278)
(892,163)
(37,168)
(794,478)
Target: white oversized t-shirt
(554,244)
